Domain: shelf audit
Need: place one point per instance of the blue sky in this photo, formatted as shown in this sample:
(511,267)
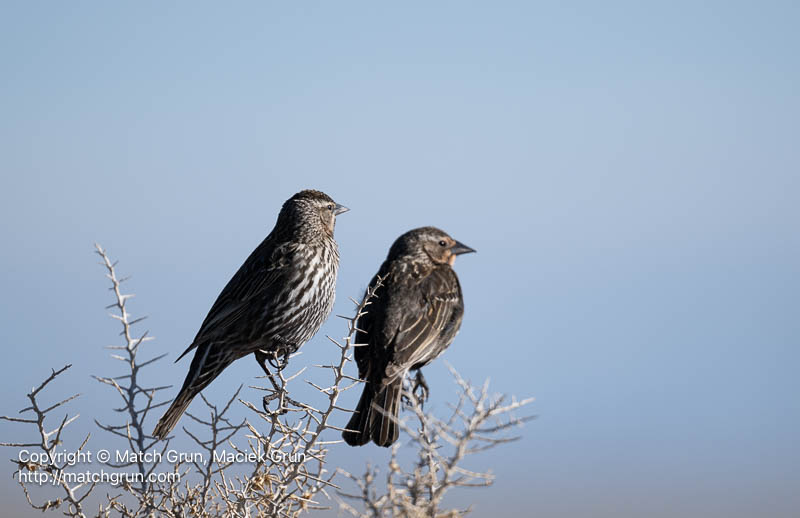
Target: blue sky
(627,172)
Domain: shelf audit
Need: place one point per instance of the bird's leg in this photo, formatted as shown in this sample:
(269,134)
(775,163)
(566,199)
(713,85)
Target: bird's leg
(279,390)
(278,358)
(279,393)
(419,383)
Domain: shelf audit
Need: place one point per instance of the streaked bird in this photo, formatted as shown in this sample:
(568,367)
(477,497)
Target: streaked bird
(276,301)
(413,318)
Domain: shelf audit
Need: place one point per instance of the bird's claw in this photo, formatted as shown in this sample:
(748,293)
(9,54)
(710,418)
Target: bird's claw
(279,359)
(421,386)
(265,401)
(419,391)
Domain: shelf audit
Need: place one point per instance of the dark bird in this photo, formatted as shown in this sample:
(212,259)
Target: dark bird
(413,318)
(276,301)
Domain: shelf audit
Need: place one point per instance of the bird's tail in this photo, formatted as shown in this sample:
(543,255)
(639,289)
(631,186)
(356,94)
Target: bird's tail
(375,416)
(386,406)
(208,362)
(357,433)
(175,411)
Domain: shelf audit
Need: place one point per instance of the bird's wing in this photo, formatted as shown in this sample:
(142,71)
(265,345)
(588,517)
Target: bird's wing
(261,272)
(428,326)
(366,322)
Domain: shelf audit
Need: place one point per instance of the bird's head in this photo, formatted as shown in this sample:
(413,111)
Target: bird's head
(311,210)
(428,244)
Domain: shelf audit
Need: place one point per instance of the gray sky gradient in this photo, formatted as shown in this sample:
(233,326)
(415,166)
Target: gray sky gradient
(627,172)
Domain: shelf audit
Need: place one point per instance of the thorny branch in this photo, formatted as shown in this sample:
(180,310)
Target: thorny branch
(291,469)
(48,442)
(128,385)
(478,422)
(287,448)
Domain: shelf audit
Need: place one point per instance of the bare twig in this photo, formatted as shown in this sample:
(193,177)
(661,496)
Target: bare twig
(278,467)
(137,401)
(478,422)
(53,466)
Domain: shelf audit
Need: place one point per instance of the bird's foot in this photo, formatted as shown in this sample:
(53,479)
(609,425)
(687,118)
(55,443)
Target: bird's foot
(279,359)
(420,386)
(281,397)
(285,404)
(418,391)
(278,390)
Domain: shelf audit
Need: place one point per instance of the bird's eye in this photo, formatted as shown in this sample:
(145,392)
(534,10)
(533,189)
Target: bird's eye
(330,206)
(442,243)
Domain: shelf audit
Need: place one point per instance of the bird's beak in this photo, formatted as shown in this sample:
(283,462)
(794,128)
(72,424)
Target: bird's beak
(340,209)
(460,248)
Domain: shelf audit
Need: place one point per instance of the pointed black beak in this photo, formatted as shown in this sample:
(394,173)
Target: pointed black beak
(460,248)
(340,209)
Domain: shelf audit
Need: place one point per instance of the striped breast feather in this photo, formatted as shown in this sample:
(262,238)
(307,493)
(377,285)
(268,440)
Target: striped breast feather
(306,299)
